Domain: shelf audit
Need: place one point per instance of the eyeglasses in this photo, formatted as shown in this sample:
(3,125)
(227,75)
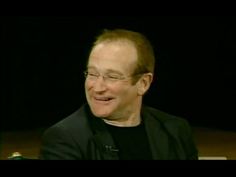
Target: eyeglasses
(108,78)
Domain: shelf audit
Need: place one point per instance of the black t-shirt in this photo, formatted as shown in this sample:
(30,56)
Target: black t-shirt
(132,142)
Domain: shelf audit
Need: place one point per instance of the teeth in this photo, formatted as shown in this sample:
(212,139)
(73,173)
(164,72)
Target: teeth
(103,99)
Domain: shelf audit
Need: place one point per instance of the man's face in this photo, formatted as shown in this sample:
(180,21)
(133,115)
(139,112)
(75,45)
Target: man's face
(112,99)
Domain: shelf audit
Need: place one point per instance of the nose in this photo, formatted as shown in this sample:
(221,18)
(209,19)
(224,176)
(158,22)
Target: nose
(99,85)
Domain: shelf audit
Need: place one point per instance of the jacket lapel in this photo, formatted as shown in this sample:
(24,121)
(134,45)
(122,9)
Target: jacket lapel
(158,139)
(104,140)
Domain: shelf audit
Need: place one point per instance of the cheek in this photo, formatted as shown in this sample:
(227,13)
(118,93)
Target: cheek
(87,88)
(125,93)
(118,90)
(87,85)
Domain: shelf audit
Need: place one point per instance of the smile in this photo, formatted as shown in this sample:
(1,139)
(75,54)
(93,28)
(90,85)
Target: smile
(102,99)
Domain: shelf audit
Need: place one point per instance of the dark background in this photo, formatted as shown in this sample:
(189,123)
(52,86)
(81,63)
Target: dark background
(43,58)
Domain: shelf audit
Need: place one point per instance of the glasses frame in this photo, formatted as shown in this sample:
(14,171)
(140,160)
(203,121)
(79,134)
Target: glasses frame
(108,79)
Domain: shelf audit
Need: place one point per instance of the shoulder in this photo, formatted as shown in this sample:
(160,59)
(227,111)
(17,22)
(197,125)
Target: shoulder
(161,115)
(179,131)
(75,124)
(167,120)
(68,138)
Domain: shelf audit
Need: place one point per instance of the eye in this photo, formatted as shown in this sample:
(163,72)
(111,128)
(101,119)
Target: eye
(113,77)
(93,74)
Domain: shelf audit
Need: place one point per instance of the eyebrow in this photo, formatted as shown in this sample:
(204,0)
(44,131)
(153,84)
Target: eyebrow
(114,71)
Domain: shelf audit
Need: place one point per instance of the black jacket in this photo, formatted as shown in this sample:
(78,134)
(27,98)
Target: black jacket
(85,137)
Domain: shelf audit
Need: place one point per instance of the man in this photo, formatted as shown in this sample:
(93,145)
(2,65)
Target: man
(114,124)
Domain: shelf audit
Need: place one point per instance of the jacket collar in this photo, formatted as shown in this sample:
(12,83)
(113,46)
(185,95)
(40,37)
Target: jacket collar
(158,139)
(103,138)
(158,134)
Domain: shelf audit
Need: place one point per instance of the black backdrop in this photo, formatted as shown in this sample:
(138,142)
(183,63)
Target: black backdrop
(43,58)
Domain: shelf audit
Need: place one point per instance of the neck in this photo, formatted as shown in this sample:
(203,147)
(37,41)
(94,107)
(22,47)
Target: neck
(131,122)
(129,119)
(131,116)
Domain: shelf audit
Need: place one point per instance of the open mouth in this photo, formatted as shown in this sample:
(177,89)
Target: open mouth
(103,99)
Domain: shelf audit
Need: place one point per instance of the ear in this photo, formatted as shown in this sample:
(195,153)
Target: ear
(144,83)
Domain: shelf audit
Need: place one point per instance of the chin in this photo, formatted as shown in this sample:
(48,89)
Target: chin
(101,114)
(100,110)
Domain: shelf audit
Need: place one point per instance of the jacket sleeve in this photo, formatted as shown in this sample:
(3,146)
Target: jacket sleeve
(57,144)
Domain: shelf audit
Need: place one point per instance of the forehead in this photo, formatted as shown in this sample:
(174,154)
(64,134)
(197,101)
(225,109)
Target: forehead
(115,48)
(118,55)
